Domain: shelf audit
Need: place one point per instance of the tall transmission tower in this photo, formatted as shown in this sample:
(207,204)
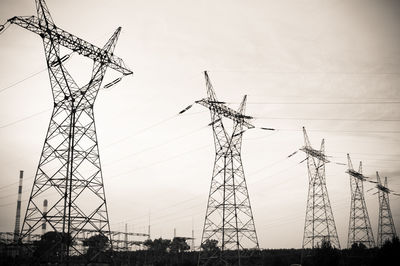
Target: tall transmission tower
(386,228)
(319,224)
(229,218)
(360,231)
(69,171)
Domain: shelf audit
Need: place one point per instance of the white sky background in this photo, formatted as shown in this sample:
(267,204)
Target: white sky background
(273,51)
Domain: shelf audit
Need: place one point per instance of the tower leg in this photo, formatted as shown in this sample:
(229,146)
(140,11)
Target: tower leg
(319,228)
(69,172)
(360,230)
(229,227)
(386,228)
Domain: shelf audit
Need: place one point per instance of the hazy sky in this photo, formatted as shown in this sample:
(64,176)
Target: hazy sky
(287,56)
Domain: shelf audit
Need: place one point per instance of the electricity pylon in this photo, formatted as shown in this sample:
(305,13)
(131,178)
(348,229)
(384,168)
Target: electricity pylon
(229,218)
(360,231)
(69,171)
(319,227)
(386,228)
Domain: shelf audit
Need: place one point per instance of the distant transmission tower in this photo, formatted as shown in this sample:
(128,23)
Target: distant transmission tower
(360,231)
(319,225)
(386,228)
(229,219)
(69,171)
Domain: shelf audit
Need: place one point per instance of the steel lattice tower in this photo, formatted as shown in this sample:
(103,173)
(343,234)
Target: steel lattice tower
(229,219)
(360,231)
(319,224)
(69,171)
(386,228)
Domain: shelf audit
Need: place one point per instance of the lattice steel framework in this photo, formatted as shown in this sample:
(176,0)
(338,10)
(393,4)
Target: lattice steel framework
(360,230)
(229,219)
(319,224)
(386,228)
(69,171)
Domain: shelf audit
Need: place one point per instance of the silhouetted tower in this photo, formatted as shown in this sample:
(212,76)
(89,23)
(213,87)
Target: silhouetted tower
(69,172)
(319,223)
(360,231)
(18,213)
(44,215)
(229,219)
(386,228)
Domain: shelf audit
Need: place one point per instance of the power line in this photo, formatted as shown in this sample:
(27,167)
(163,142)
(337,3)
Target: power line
(163,209)
(13,194)
(330,119)
(154,147)
(22,80)
(254,173)
(24,118)
(11,203)
(107,146)
(141,131)
(343,131)
(158,162)
(307,72)
(30,76)
(328,103)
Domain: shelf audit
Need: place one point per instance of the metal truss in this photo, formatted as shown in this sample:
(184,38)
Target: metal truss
(360,231)
(69,172)
(386,228)
(121,241)
(319,227)
(229,219)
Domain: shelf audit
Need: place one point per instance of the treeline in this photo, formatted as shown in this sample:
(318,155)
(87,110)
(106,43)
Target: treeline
(164,252)
(325,256)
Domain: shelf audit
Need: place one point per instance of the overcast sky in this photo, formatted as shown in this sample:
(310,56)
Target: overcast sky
(289,57)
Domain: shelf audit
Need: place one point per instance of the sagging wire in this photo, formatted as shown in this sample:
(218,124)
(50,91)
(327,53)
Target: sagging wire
(308,150)
(52,64)
(55,63)
(351,172)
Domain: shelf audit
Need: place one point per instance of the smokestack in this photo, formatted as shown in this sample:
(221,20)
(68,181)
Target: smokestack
(44,216)
(174,232)
(18,214)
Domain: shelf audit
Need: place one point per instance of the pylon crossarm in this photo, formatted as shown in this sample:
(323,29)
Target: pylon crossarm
(356,174)
(315,153)
(70,41)
(227,112)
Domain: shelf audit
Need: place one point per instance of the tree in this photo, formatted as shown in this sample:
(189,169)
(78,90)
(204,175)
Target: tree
(179,245)
(158,245)
(50,246)
(326,254)
(97,244)
(210,245)
(358,246)
(326,244)
(389,252)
